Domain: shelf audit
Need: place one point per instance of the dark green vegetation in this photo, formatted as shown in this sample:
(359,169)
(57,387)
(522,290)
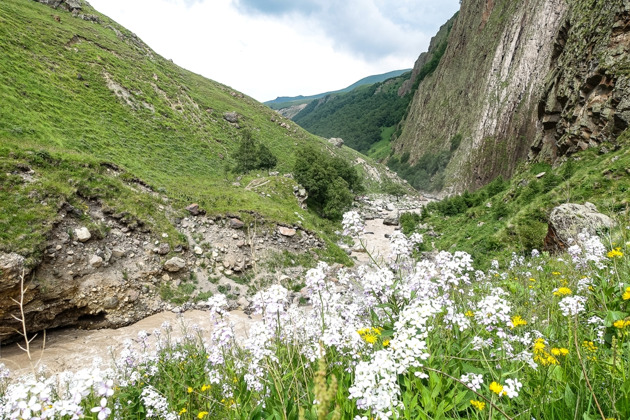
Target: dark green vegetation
(360,116)
(427,173)
(78,97)
(330,181)
(252,154)
(511,216)
(287,101)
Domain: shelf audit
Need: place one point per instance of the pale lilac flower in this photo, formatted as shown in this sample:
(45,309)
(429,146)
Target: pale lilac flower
(102,410)
(352,223)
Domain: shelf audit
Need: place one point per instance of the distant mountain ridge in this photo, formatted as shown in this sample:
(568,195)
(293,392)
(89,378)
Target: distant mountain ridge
(282,101)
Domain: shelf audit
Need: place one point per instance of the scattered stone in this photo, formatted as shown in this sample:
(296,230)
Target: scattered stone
(82,234)
(174,264)
(285,231)
(391,221)
(96,261)
(231,117)
(540,175)
(197,250)
(164,248)
(110,302)
(236,223)
(336,141)
(195,210)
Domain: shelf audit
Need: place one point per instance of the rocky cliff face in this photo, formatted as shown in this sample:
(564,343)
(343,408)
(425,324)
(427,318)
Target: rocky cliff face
(536,78)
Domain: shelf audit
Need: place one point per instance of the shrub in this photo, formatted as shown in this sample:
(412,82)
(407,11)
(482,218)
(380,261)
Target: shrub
(253,155)
(330,181)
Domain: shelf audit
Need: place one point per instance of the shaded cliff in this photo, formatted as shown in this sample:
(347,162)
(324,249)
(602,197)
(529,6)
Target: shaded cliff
(537,79)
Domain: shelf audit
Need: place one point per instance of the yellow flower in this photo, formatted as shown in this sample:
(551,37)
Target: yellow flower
(555,273)
(539,345)
(202,414)
(190,390)
(470,313)
(517,321)
(497,388)
(626,294)
(559,351)
(385,343)
(562,291)
(615,253)
(589,346)
(370,335)
(532,279)
(479,405)
(622,323)
(205,388)
(182,411)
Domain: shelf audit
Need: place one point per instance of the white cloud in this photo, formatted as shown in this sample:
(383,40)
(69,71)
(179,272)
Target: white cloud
(281,47)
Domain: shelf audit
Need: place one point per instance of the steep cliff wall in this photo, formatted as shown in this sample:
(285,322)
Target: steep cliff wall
(521,79)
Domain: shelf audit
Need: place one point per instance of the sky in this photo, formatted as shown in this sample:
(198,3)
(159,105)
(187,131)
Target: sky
(270,48)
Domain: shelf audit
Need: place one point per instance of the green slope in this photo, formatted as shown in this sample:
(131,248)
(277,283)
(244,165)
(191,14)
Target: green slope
(82,93)
(359,116)
(287,101)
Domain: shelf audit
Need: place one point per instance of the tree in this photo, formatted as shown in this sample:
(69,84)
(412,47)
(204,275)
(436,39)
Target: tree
(253,155)
(330,181)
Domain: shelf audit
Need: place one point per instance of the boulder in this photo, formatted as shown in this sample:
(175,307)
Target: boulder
(174,264)
(195,210)
(391,221)
(96,261)
(231,117)
(236,223)
(569,219)
(164,248)
(285,231)
(82,234)
(336,141)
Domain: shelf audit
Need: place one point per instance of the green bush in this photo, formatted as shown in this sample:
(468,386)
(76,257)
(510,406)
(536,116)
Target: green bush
(253,155)
(330,182)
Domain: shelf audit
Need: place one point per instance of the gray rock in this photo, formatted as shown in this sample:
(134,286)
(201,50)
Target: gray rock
(96,261)
(110,302)
(197,250)
(164,248)
(236,223)
(391,221)
(118,252)
(231,117)
(82,234)
(285,231)
(174,264)
(336,141)
(568,220)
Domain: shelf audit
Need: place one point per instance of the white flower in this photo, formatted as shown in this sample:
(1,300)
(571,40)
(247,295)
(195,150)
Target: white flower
(472,380)
(572,305)
(102,410)
(511,387)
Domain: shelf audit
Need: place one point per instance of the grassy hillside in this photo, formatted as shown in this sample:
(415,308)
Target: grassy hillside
(78,95)
(360,116)
(511,216)
(288,101)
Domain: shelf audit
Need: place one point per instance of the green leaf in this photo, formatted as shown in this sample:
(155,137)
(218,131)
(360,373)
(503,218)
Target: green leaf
(569,397)
(613,316)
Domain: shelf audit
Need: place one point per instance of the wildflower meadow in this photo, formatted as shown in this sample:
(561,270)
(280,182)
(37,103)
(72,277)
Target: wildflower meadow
(539,337)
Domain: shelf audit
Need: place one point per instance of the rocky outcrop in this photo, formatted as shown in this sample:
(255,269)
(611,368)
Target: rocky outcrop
(568,220)
(438,40)
(69,5)
(586,98)
(115,274)
(534,79)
